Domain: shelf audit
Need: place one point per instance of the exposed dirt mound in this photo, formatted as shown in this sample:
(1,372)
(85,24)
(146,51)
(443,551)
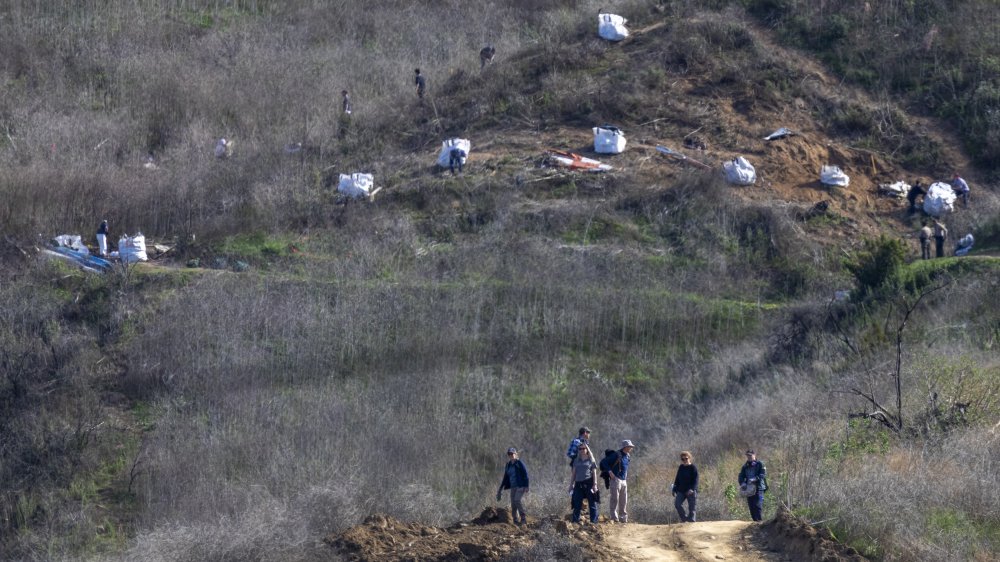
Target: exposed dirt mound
(492,536)
(800,540)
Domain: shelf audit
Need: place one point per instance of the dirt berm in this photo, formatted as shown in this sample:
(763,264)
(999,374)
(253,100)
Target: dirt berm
(492,537)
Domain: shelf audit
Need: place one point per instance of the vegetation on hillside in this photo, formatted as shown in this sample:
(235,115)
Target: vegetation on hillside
(380,358)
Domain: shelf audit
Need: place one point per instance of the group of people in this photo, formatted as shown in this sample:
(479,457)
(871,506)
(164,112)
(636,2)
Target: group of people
(937,229)
(586,472)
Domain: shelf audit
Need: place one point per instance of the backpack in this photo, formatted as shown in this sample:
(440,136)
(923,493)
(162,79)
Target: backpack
(607,463)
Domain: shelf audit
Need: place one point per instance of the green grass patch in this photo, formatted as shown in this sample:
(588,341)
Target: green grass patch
(258,246)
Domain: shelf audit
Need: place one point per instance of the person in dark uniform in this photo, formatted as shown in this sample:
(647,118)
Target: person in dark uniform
(916,190)
(420,83)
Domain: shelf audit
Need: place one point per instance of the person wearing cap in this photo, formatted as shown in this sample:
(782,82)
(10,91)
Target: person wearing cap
(583,484)
(685,487)
(102,239)
(754,473)
(619,485)
(961,188)
(582,438)
(515,479)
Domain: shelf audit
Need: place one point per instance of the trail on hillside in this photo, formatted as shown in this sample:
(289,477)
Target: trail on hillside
(492,537)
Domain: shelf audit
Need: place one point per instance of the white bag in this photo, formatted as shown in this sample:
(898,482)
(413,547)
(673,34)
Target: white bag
(444,159)
(609,140)
(964,245)
(940,199)
(898,189)
(739,171)
(132,248)
(833,175)
(611,27)
(356,185)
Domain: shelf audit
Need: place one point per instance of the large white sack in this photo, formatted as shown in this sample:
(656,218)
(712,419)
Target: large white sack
(739,171)
(611,27)
(833,175)
(356,185)
(132,248)
(609,140)
(444,159)
(940,199)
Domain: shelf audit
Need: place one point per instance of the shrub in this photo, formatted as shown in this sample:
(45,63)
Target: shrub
(876,266)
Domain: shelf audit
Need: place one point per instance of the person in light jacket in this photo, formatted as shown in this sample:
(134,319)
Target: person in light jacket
(515,479)
(583,483)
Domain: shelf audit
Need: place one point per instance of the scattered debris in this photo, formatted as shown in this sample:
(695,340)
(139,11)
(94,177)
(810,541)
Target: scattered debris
(695,143)
(611,27)
(70,248)
(964,245)
(576,162)
(939,200)
(608,139)
(833,175)
(682,157)
(357,185)
(739,171)
(898,189)
(223,148)
(779,134)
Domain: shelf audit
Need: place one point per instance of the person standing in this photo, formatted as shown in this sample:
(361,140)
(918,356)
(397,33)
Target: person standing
(940,233)
(916,190)
(925,241)
(619,482)
(961,189)
(346,102)
(102,239)
(515,479)
(420,83)
(754,474)
(582,438)
(685,487)
(583,483)
(456,158)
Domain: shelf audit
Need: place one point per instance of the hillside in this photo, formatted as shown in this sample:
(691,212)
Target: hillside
(307,377)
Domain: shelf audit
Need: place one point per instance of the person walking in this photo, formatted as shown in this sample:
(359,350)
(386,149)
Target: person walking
(102,239)
(940,233)
(619,482)
(583,484)
(685,488)
(346,101)
(961,188)
(515,479)
(916,190)
(753,475)
(582,438)
(925,241)
(420,83)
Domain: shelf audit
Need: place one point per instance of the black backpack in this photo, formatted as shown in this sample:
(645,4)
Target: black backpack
(607,463)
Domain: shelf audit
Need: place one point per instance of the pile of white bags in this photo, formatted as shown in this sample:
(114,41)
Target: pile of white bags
(132,248)
(444,159)
(356,185)
(940,199)
(833,175)
(609,140)
(611,27)
(72,241)
(739,171)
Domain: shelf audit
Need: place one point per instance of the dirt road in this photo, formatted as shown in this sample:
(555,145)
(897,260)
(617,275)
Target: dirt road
(709,541)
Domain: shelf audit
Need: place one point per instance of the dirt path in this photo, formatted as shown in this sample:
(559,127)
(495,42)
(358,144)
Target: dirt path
(708,541)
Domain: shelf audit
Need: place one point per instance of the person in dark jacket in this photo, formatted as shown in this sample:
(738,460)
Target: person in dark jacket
(686,488)
(754,474)
(102,239)
(582,438)
(915,191)
(515,479)
(583,483)
(420,83)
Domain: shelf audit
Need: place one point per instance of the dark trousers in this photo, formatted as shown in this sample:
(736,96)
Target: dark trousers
(939,243)
(455,162)
(692,501)
(756,503)
(925,248)
(581,491)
